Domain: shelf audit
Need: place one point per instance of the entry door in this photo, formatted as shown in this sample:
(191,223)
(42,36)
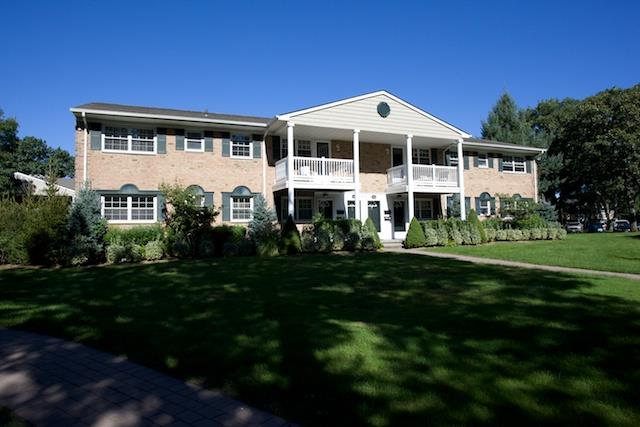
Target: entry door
(398,215)
(397,156)
(325,207)
(322,149)
(374,213)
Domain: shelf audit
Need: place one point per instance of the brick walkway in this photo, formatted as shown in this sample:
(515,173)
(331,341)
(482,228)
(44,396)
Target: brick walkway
(52,383)
(506,263)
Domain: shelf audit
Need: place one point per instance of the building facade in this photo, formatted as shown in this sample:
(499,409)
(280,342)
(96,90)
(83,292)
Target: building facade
(373,155)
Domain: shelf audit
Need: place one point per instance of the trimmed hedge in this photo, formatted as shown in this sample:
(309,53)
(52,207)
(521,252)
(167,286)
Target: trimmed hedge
(415,235)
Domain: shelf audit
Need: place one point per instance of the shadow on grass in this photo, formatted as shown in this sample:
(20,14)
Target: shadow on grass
(373,339)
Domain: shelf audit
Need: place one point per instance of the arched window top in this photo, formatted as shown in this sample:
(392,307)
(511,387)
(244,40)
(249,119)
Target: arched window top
(129,189)
(197,190)
(241,190)
(485,196)
(517,196)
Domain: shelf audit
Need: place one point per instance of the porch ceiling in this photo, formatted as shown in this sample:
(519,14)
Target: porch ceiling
(314,133)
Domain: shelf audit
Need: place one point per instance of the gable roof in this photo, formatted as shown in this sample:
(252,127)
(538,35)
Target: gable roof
(292,114)
(168,114)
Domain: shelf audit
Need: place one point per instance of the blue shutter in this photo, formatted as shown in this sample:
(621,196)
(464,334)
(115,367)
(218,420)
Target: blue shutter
(225,147)
(160,206)
(500,164)
(161,137)
(257,148)
(465,160)
(208,141)
(493,206)
(208,198)
(527,166)
(478,205)
(226,206)
(180,139)
(467,205)
(490,156)
(434,156)
(95,135)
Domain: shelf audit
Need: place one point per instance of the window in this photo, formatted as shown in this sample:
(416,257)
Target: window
(123,208)
(304,208)
(351,209)
(513,164)
(115,208)
(421,156)
(131,140)
(241,146)
(453,158)
(483,161)
(423,209)
(303,148)
(284,148)
(194,142)
(485,207)
(241,207)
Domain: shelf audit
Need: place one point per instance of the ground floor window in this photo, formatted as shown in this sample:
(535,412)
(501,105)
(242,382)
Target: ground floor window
(351,209)
(485,207)
(303,208)
(423,209)
(123,208)
(241,207)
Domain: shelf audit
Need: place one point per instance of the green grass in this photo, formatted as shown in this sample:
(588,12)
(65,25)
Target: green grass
(368,339)
(596,251)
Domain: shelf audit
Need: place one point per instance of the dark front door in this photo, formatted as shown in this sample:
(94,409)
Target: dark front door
(397,156)
(398,215)
(325,207)
(322,149)
(374,213)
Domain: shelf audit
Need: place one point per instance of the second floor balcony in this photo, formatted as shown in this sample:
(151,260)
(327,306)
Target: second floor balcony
(316,172)
(427,178)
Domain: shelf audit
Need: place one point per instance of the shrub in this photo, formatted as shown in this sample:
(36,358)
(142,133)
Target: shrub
(442,233)
(136,252)
(139,234)
(180,248)
(307,240)
(369,243)
(323,237)
(475,223)
(431,237)
(290,237)
(501,235)
(370,227)
(562,233)
(230,249)
(465,235)
(86,229)
(552,233)
(526,234)
(517,235)
(455,237)
(117,253)
(491,234)
(475,238)
(262,224)
(339,238)
(153,250)
(493,224)
(206,248)
(222,234)
(529,222)
(415,235)
(268,246)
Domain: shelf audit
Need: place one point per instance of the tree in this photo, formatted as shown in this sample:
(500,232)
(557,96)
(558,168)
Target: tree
(263,219)
(86,228)
(505,123)
(600,147)
(29,155)
(415,235)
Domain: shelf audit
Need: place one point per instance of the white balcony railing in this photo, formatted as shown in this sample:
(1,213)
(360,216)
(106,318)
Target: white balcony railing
(424,176)
(316,170)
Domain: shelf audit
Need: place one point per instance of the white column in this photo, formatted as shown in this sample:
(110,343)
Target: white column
(356,170)
(290,188)
(463,213)
(409,155)
(534,165)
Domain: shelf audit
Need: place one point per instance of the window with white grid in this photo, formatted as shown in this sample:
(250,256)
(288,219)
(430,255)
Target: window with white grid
(303,148)
(513,164)
(194,142)
(284,148)
(142,140)
(423,209)
(116,138)
(241,146)
(420,156)
(116,208)
(142,208)
(483,161)
(241,207)
(129,140)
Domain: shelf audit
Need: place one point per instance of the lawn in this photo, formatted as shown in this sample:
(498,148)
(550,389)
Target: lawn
(368,339)
(597,251)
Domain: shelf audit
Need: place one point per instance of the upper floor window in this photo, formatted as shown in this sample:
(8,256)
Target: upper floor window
(129,140)
(303,148)
(241,208)
(284,148)
(241,146)
(194,142)
(513,164)
(420,156)
(124,208)
(483,160)
(453,158)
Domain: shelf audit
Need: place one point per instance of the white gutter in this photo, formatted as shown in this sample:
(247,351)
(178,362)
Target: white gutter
(505,147)
(167,117)
(84,158)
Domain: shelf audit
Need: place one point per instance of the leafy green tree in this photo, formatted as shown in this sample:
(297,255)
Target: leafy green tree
(86,229)
(505,123)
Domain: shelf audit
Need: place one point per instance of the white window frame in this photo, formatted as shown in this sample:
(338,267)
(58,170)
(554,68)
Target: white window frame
(129,149)
(513,164)
(418,201)
(200,140)
(284,208)
(297,147)
(351,204)
(417,152)
(483,161)
(484,204)
(297,209)
(453,161)
(283,147)
(232,142)
(130,208)
(231,201)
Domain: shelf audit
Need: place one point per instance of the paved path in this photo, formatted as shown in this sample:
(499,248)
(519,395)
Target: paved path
(52,383)
(491,261)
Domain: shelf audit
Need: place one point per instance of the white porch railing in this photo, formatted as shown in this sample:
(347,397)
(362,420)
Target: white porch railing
(424,176)
(316,170)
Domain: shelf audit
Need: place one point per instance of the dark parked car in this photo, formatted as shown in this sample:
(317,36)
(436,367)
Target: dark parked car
(621,225)
(595,227)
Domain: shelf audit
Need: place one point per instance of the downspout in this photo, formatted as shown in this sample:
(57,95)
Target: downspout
(84,159)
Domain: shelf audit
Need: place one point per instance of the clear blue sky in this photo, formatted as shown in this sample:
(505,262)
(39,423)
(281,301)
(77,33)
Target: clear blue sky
(264,58)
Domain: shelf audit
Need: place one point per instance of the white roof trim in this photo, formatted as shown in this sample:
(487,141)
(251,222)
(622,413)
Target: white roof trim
(288,116)
(26,177)
(505,147)
(167,117)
